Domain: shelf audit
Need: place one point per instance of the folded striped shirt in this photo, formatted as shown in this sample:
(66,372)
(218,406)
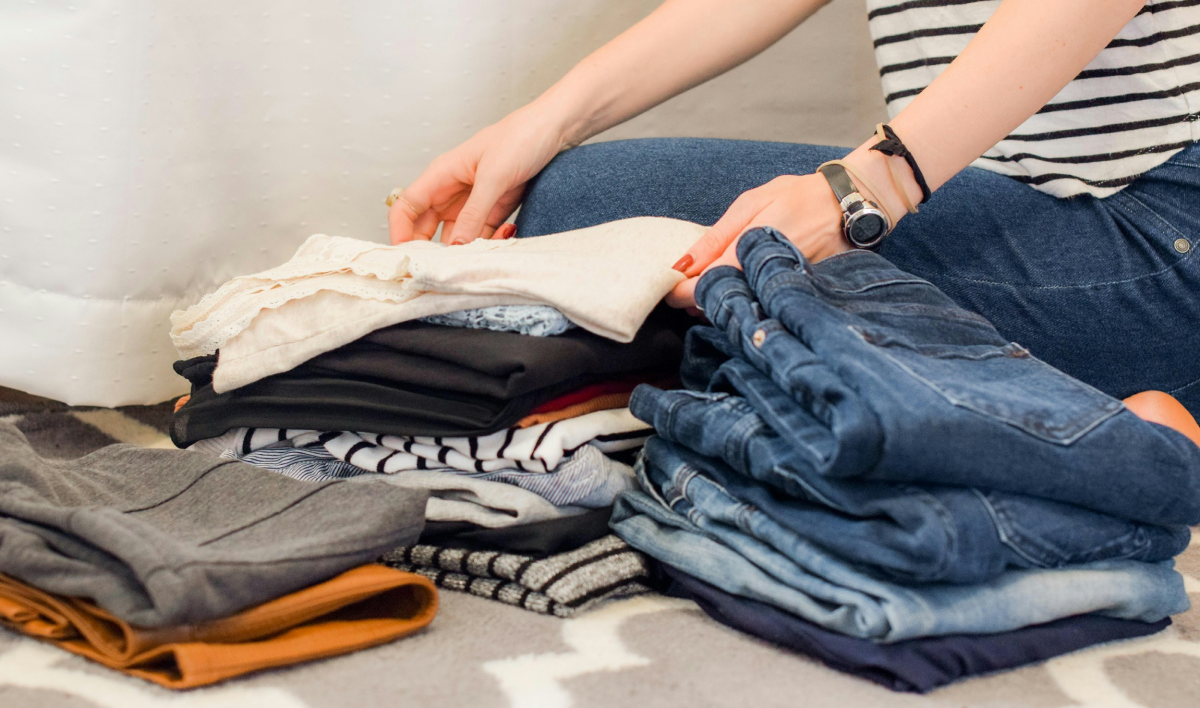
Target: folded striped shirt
(538,448)
(559,585)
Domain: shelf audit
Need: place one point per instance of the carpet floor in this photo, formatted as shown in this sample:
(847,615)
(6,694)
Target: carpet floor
(649,651)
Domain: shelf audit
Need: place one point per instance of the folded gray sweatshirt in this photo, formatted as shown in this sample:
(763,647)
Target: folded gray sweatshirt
(170,537)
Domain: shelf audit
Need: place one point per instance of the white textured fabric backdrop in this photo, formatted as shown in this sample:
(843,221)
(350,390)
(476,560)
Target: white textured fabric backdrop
(150,151)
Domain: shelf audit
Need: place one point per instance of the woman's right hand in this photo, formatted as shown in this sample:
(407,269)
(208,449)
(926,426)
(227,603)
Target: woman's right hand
(476,186)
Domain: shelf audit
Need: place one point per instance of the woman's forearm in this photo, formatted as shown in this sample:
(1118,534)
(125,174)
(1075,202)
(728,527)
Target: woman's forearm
(680,45)
(1020,59)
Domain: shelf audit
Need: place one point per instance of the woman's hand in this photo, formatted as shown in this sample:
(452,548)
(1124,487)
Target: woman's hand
(473,188)
(476,186)
(801,208)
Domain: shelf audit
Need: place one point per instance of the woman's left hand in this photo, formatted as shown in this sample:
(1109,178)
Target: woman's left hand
(801,208)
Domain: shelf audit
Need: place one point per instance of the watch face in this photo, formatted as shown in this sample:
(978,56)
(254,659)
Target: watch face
(868,229)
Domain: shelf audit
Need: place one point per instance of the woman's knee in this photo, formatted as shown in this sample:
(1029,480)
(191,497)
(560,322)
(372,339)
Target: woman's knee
(1164,409)
(694,179)
(589,185)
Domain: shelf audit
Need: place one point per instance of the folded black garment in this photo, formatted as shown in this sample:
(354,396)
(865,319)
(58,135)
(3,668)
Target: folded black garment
(423,379)
(299,401)
(915,665)
(170,537)
(541,538)
(502,365)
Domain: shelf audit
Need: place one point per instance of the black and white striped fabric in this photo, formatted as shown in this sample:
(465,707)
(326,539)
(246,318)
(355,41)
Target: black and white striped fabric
(1136,103)
(559,585)
(538,448)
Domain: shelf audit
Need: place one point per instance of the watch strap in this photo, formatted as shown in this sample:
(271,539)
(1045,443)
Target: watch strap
(839,180)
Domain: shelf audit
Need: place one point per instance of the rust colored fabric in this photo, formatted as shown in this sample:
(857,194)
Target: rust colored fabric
(599,403)
(625,384)
(585,394)
(182,402)
(360,608)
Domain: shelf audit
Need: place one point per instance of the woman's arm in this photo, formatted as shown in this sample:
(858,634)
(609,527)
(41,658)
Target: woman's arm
(1021,57)
(681,44)
(475,187)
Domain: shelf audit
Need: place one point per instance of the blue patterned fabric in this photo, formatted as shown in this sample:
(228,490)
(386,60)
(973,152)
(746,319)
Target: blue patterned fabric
(587,479)
(533,320)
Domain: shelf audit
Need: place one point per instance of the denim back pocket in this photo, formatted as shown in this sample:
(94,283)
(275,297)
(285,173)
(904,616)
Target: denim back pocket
(1048,534)
(1005,383)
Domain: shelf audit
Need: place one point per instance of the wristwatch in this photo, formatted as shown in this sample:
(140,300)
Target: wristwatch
(863,222)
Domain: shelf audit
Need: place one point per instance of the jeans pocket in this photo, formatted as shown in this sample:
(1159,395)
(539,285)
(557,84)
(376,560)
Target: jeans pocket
(1004,383)
(1049,534)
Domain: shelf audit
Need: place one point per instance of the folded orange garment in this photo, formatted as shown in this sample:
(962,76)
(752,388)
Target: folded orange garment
(606,402)
(360,608)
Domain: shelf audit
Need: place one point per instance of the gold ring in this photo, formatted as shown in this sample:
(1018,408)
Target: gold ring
(394,196)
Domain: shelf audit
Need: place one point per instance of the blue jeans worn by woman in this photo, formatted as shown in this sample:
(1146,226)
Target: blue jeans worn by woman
(1107,290)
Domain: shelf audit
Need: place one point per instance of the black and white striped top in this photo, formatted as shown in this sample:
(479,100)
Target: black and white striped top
(1134,106)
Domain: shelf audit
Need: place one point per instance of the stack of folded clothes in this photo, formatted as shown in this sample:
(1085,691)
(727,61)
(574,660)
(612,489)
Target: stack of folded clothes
(494,376)
(183,569)
(863,471)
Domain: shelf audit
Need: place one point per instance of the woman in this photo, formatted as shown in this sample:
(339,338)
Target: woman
(1055,144)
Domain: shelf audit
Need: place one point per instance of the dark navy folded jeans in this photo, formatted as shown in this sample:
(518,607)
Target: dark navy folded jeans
(919,665)
(902,532)
(909,387)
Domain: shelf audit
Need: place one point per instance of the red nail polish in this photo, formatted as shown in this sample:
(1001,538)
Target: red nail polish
(505,231)
(684,263)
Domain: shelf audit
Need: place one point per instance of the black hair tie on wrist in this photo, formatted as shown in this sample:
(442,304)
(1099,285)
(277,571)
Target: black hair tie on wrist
(894,147)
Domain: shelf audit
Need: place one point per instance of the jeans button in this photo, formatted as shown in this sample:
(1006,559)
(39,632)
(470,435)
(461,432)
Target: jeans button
(1182,245)
(759,337)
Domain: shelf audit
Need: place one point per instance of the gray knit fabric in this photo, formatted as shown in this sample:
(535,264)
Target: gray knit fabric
(170,537)
(558,585)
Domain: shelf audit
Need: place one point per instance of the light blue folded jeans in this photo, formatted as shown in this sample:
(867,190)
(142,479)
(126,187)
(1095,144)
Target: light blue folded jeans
(712,536)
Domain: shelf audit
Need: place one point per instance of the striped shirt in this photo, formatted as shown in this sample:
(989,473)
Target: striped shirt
(1136,104)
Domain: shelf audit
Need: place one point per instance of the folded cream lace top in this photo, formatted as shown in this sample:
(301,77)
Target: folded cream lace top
(605,278)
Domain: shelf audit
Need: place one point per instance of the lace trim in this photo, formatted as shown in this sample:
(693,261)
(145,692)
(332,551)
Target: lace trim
(358,268)
(531,320)
(207,335)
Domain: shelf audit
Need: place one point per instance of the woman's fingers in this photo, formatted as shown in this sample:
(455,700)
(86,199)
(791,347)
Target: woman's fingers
(407,209)
(426,225)
(684,294)
(507,204)
(438,189)
(401,220)
(473,217)
(714,241)
(728,256)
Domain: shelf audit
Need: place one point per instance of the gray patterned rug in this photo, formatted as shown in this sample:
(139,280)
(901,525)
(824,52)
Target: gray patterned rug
(648,651)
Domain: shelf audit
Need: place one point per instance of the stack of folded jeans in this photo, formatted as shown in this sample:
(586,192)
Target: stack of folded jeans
(855,450)
(511,414)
